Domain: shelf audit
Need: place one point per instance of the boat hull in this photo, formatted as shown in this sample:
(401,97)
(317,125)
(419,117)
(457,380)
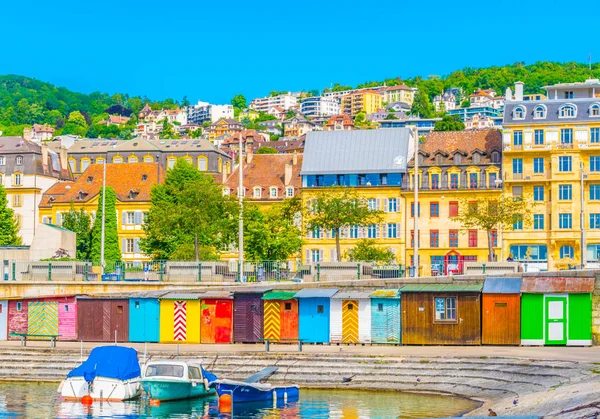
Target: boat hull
(166,390)
(244,394)
(102,389)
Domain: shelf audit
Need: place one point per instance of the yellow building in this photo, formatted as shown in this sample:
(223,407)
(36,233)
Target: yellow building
(364,161)
(551,149)
(367,101)
(224,127)
(453,167)
(132,185)
(400,93)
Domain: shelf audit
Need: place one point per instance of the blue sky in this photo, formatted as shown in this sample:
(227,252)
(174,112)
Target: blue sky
(212,50)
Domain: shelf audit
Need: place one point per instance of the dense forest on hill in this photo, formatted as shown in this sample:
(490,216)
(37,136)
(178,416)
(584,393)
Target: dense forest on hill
(24,101)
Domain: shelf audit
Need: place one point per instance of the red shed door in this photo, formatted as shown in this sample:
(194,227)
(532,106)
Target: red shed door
(289,319)
(216,321)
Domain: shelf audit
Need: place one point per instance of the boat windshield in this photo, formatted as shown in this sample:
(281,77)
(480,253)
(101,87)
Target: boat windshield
(194,373)
(164,370)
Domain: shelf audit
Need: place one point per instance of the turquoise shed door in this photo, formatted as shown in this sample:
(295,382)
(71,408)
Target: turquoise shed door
(313,320)
(556,320)
(144,320)
(385,320)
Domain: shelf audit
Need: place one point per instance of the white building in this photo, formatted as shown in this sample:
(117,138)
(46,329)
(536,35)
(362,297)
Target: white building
(445,102)
(285,101)
(206,112)
(319,106)
(338,95)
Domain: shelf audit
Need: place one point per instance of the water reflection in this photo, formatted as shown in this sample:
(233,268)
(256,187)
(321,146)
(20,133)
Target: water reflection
(41,401)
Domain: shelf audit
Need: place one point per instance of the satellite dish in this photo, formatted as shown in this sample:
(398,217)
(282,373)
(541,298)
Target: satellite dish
(399,160)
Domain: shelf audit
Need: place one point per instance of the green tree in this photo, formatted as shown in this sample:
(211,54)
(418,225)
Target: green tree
(77,118)
(9,228)
(80,223)
(422,106)
(449,123)
(112,250)
(239,101)
(339,207)
(390,116)
(465,103)
(167,130)
(366,250)
(266,150)
(490,214)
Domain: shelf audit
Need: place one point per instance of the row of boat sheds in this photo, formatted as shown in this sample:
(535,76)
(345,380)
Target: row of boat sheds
(502,311)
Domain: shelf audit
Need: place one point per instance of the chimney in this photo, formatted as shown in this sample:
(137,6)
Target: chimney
(249,154)
(64,161)
(508,96)
(295,159)
(519,91)
(288,173)
(45,154)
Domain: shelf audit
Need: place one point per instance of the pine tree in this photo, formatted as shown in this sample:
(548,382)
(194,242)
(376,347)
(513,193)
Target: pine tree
(9,229)
(112,252)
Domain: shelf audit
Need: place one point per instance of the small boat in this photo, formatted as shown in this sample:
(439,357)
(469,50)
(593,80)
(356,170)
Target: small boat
(252,390)
(111,373)
(166,380)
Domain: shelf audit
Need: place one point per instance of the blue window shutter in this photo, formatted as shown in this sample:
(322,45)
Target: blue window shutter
(138,217)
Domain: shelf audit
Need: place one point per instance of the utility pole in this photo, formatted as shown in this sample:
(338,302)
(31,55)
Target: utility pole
(582,216)
(416,204)
(241,218)
(103,217)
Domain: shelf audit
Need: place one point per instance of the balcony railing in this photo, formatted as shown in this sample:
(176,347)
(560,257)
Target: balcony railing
(445,186)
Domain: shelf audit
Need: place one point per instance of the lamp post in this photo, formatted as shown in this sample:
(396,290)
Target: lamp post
(416,205)
(241,217)
(103,217)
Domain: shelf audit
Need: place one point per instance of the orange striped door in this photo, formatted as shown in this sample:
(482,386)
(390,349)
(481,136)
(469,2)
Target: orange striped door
(349,321)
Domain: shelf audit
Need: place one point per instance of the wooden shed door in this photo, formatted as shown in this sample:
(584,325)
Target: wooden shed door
(350,321)
(272,319)
(289,319)
(42,319)
(556,320)
(3,320)
(119,321)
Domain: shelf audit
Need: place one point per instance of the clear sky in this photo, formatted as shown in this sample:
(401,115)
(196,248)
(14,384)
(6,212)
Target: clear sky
(212,50)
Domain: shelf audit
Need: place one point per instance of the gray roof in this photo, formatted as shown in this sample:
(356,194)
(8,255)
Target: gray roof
(358,151)
(181,296)
(502,285)
(351,295)
(217,295)
(316,293)
(552,106)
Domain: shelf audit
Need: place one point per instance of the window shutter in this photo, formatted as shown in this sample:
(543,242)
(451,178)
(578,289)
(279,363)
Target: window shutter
(398,230)
(123,245)
(58,219)
(386,205)
(327,233)
(377,231)
(124,218)
(138,217)
(44,220)
(332,255)
(384,231)
(321,255)
(308,256)
(377,207)
(136,245)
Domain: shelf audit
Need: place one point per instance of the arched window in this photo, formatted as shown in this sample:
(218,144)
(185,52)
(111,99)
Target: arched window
(595,109)
(539,112)
(457,158)
(117,159)
(188,159)
(171,162)
(476,158)
(290,192)
(495,157)
(273,192)
(519,112)
(567,252)
(99,160)
(257,192)
(72,165)
(132,159)
(148,159)
(220,165)
(567,111)
(202,163)
(85,162)
(439,159)
(17,179)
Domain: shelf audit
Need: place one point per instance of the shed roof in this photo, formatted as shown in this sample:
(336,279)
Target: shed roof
(316,293)
(251,291)
(502,285)
(559,284)
(351,295)
(441,288)
(279,295)
(181,296)
(227,295)
(391,293)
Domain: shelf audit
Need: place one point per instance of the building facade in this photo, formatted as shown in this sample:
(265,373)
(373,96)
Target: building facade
(285,101)
(205,112)
(319,106)
(367,101)
(224,127)
(297,126)
(400,93)
(341,122)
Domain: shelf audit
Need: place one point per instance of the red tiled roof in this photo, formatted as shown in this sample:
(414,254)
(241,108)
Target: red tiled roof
(399,87)
(43,128)
(485,140)
(55,191)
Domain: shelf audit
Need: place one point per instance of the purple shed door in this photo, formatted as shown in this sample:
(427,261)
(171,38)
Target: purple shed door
(248,318)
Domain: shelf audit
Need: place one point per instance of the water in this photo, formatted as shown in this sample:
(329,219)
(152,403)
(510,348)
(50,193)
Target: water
(31,400)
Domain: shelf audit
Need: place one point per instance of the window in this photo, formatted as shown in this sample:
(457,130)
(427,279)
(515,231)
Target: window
(316,233)
(569,94)
(495,157)
(434,209)
(129,245)
(595,135)
(434,238)
(288,306)
(202,164)
(538,165)
(566,136)
(148,159)
(16,200)
(565,192)
(595,221)
(538,193)
(523,252)
(66,307)
(354,232)
(518,138)
(72,165)
(538,135)
(132,159)
(84,164)
(476,158)
(567,111)
(539,112)
(473,180)
(565,221)
(257,192)
(567,252)
(453,238)
(412,209)
(454,181)
(412,238)
(2,161)
(137,304)
(457,158)
(453,208)
(494,238)
(392,232)
(19,306)
(171,162)
(372,202)
(379,306)
(372,231)
(519,113)
(595,191)
(439,160)
(289,192)
(472,238)
(517,166)
(316,255)
(19,160)
(492,180)
(538,221)
(320,309)
(435,181)
(565,164)
(273,192)
(17,179)
(117,160)
(130,218)
(518,224)
(393,204)
(445,309)
(595,110)
(595,163)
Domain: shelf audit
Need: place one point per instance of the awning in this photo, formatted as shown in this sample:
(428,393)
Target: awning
(316,293)
(279,295)
(441,288)
(548,285)
(502,285)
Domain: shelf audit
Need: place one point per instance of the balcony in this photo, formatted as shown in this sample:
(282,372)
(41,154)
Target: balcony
(446,186)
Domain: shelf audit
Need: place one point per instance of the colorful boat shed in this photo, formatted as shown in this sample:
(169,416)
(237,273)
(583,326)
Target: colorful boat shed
(3,319)
(441,314)
(144,316)
(216,317)
(556,311)
(385,317)
(501,312)
(351,317)
(248,311)
(102,319)
(180,318)
(281,316)
(314,314)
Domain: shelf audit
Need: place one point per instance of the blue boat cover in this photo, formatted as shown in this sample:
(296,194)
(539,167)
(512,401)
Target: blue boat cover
(116,362)
(502,285)
(208,375)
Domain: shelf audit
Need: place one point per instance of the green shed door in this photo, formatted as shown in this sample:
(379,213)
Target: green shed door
(580,319)
(532,319)
(556,320)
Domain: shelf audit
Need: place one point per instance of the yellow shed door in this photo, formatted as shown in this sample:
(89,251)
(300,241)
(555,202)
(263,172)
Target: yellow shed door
(349,321)
(272,325)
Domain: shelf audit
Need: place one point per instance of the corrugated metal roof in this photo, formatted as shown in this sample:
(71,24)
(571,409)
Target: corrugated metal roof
(251,291)
(316,293)
(217,295)
(441,288)
(181,296)
(502,285)
(351,295)
(356,151)
(279,295)
(557,285)
(392,293)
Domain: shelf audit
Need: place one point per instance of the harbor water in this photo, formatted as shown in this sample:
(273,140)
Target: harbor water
(40,400)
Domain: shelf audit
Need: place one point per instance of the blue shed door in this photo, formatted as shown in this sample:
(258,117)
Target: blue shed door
(314,320)
(143,320)
(385,320)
